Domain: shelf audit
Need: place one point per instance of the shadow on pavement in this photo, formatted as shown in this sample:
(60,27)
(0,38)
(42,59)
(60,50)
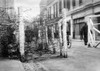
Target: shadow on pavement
(47,57)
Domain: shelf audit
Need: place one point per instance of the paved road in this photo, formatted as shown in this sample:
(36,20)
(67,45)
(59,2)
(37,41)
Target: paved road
(10,65)
(80,58)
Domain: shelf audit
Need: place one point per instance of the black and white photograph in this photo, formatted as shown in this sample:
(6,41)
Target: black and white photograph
(49,35)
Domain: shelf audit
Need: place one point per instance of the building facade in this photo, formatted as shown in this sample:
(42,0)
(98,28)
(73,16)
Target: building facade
(77,10)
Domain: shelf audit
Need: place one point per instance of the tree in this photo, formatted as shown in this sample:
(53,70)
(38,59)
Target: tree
(6,31)
(30,33)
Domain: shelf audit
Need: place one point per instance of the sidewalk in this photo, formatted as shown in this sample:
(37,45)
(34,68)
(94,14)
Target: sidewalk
(80,58)
(10,65)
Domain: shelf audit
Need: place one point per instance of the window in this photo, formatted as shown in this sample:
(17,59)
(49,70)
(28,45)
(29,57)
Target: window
(73,2)
(54,8)
(68,4)
(65,3)
(80,2)
(60,6)
(52,12)
(49,13)
(57,9)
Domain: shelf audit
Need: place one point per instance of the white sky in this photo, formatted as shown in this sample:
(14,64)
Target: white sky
(27,4)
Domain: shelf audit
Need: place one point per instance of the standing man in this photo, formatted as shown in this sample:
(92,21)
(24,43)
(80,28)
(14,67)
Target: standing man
(84,31)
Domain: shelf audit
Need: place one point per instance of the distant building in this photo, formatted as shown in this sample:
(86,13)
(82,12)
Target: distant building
(77,10)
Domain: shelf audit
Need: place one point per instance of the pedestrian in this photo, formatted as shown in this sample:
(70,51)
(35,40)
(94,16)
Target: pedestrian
(85,33)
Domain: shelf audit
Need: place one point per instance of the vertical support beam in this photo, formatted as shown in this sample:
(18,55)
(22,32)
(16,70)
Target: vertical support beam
(58,9)
(53,40)
(62,4)
(71,7)
(21,32)
(60,37)
(71,23)
(39,34)
(64,12)
(90,29)
(65,38)
(52,33)
(87,20)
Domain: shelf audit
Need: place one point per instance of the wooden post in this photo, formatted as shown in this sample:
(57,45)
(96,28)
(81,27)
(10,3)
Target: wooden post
(46,34)
(60,37)
(53,39)
(71,28)
(21,33)
(52,34)
(64,12)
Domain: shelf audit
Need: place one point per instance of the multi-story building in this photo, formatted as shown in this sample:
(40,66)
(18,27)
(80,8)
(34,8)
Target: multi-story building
(77,10)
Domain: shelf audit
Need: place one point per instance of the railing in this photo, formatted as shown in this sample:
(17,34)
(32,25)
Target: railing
(92,30)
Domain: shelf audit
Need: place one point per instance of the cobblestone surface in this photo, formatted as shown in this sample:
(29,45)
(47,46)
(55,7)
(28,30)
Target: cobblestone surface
(32,66)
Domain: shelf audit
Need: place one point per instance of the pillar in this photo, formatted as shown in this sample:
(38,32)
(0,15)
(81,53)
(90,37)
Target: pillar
(46,34)
(64,20)
(64,39)
(21,32)
(52,33)
(71,23)
(53,40)
(60,37)
(22,37)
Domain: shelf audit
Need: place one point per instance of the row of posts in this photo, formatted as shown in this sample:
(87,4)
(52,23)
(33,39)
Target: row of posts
(63,49)
(63,23)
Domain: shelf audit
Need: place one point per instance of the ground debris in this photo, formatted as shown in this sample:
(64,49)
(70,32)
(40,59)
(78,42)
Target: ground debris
(33,66)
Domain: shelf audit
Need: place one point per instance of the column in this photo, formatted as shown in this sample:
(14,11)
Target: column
(64,38)
(46,34)
(54,51)
(64,12)
(58,8)
(71,23)
(62,4)
(21,32)
(60,37)
(39,33)
(52,33)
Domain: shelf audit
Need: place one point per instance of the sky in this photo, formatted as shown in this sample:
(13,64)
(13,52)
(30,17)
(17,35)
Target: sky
(32,7)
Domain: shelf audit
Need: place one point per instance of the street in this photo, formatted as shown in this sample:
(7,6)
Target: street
(80,58)
(10,65)
(49,35)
